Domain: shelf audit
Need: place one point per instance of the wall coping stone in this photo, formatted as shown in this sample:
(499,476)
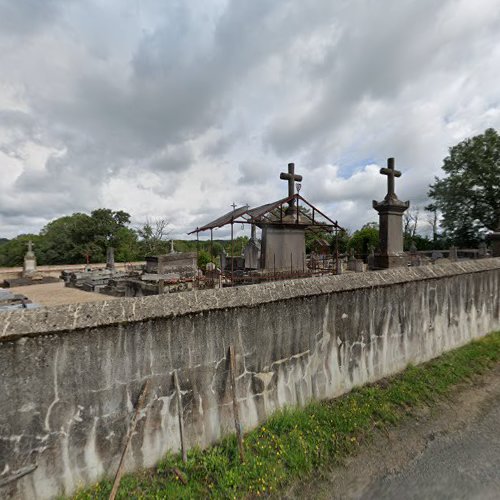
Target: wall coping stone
(66,318)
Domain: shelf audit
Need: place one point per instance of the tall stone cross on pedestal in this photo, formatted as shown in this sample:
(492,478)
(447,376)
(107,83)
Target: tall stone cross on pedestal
(291,177)
(390,212)
(391,174)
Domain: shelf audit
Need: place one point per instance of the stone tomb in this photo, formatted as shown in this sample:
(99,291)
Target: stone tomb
(172,266)
(284,245)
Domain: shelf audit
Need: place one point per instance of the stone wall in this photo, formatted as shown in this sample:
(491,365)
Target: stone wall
(70,375)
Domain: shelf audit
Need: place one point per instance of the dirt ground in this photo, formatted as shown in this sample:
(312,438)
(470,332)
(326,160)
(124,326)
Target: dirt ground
(53,294)
(451,451)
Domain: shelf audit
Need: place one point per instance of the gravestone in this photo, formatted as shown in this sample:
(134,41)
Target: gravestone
(29,268)
(251,252)
(390,211)
(354,264)
(415,259)
(494,238)
(370,261)
(483,250)
(223,259)
(110,258)
(453,253)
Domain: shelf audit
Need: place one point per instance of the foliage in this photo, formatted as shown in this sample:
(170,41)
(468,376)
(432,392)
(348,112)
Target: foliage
(12,251)
(68,239)
(343,241)
(469,197)
(203,259)
(153,234)
(364,238)
(294,444)
(71,238)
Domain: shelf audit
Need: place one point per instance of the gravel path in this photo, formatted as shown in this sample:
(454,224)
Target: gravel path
(53,294)
(451,451)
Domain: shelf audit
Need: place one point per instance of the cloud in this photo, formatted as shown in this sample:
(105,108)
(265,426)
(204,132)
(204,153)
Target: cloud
(178,109)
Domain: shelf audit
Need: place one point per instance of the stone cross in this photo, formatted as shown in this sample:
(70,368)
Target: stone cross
(291,177)
(30,246)
(391,173)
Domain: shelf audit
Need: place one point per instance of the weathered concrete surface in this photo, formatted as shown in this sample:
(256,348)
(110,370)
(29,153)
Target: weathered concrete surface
(71,374)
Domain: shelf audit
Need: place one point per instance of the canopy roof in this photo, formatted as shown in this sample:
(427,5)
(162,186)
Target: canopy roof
(274,213)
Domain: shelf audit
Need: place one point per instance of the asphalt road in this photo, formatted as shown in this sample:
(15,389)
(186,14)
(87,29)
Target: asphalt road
(451,451)
(464,464)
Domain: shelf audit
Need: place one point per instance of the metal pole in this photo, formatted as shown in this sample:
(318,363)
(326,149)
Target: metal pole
(232,252)
(211,244)
(337,251)
(197,254)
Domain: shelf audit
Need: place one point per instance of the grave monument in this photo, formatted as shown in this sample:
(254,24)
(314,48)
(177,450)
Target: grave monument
(390,211)
(284,244)
(29,268)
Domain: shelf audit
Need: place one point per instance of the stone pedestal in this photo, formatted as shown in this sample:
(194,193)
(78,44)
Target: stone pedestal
(29,267)
(283,247)
(391,233)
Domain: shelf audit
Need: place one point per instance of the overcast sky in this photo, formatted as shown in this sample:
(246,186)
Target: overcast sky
(176,109)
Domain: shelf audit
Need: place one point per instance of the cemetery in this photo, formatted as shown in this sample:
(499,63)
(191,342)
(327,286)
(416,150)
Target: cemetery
(278,254)
(311,327)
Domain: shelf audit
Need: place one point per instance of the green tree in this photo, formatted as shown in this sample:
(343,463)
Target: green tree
(469,197)
(13,251)
(68,239)
(363,238)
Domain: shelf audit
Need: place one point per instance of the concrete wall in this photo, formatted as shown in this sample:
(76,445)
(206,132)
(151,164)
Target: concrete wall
(70,375)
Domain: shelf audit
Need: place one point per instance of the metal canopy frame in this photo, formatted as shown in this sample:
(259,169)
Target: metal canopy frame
(265,215)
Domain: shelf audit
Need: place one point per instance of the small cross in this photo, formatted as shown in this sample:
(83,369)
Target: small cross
(30,246)
(234,206)
(391,173)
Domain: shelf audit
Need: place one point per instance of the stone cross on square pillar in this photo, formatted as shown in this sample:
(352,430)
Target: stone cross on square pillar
(391,174)
(291,177)
(390,212)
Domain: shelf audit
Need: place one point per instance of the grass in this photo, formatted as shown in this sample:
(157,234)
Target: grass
(295,442)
